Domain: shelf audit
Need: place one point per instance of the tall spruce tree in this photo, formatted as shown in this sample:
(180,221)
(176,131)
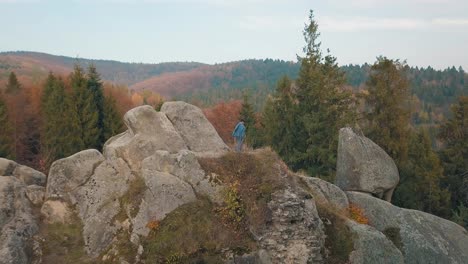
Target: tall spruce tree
(61,135)
(323,107)
(13,86)
(112,121)
(94,84)
(5,132)
(87,110)
(454,156)
(421,177)
(280,121)
(387,109)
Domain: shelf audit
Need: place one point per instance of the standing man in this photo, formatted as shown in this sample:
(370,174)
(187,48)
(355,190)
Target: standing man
(239,135)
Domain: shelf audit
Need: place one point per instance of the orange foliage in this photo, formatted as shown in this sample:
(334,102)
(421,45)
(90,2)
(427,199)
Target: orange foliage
(121,95)
(224,117)
(357,214)
(137,99)
(173,83)
(153,224)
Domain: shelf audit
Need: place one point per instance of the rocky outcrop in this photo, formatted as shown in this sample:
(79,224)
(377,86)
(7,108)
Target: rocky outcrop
(197,132)
(92,185)
(144,174)
(148,131)
(421,237)
(364,166)
(17,221)
(296,234)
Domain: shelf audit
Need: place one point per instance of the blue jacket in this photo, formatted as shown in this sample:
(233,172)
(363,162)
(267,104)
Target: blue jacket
(239,131)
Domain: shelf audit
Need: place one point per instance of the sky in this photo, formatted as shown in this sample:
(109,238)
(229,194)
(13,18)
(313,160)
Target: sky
(422,32)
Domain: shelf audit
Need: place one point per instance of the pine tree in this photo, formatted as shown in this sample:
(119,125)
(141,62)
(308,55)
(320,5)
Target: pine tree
(5,132)
(13,86)
(61,135)
(248,115)
(387,111)
(94,84)
(279,121)
(112,121)
(454,133)
(87,111)
(323,107)
(420,179)
(17,103)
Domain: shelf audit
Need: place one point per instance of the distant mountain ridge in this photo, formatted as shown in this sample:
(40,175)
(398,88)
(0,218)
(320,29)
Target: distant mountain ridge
(207,84)
(168,79)
(34,64)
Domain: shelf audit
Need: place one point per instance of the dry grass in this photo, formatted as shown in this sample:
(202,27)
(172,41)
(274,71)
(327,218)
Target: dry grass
(339,238)
(193,233)
(255,177)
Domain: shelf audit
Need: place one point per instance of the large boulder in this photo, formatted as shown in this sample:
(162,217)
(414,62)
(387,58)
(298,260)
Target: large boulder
(7,167)
(325,191)
(66,175)
(198,133)
(148,131)
(421,237)
(30,176)
(164,193)
(364,166)
(185,166)
(26,174)
(17,221)
(90,185)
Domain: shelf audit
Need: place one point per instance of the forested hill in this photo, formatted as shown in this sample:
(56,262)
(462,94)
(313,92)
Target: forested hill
(434,89)
(207,84)
(33,66)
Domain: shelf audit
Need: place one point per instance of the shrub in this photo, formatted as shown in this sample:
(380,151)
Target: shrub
(357,214)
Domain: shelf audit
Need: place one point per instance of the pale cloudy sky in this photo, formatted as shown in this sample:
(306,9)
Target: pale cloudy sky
(423,32)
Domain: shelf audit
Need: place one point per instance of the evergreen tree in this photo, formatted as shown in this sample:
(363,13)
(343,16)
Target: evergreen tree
(5,132)
(87,111)
(248,115)
(460,216)
(13,86)
(94,84)
(454,133)
(279,120)
(323,107)
(61,135)
(112,121)
(420,179)
(387,111)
